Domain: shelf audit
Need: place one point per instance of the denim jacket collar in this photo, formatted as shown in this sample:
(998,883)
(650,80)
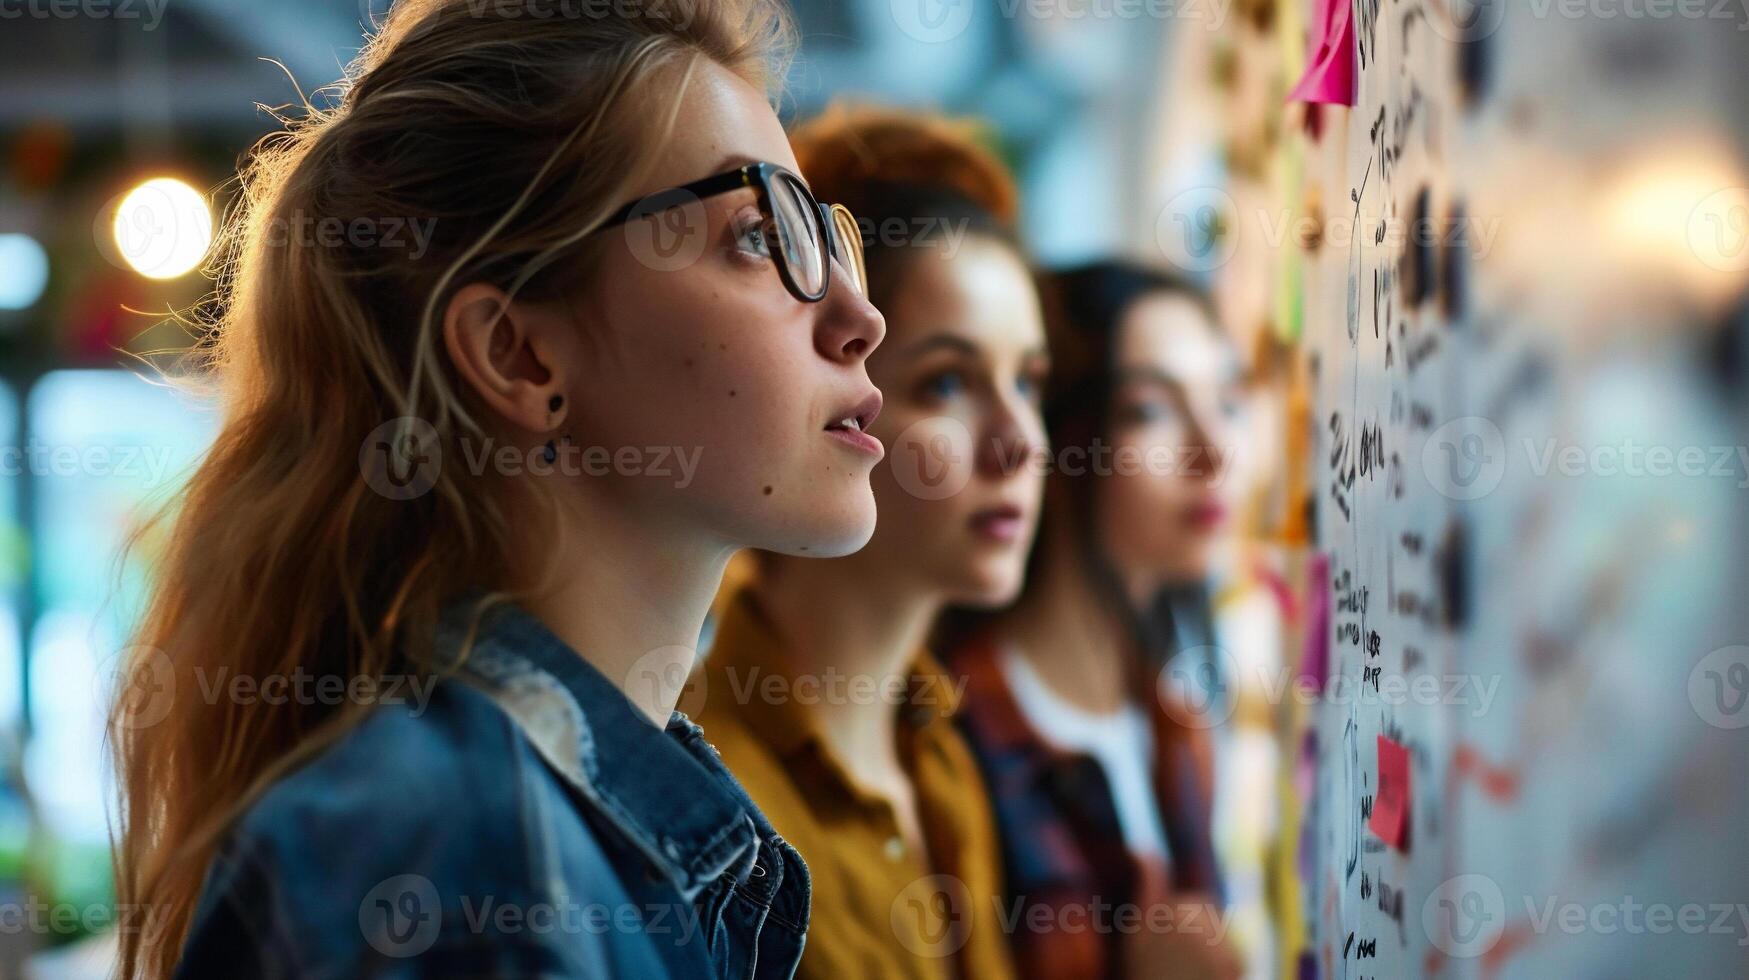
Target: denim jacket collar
(666,792)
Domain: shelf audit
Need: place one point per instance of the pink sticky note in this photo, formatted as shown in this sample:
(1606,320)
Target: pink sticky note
(1315,658)
(1330,59)
(1390,808)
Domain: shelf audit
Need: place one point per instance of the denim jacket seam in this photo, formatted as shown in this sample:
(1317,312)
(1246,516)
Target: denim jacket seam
(714,855)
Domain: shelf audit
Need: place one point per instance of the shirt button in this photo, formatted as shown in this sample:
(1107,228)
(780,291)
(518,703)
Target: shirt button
(895,848)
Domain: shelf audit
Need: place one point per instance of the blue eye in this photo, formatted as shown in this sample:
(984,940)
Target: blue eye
(1147,412)
(753,239)
(945,384)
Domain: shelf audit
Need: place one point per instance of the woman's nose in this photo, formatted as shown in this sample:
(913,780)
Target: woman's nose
(1206,447)
(1015,434)
(849,326)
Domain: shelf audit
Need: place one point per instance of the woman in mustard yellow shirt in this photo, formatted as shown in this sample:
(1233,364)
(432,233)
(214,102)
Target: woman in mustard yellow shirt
(819,692)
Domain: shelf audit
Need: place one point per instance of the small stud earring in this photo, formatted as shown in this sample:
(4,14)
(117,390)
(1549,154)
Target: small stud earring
(552,452)
(555,403)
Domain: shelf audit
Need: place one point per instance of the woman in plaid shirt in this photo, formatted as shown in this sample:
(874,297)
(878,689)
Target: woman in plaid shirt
(1099,766)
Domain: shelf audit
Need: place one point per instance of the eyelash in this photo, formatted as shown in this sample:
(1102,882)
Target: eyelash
(932,384)
(1030,385)
(749,222)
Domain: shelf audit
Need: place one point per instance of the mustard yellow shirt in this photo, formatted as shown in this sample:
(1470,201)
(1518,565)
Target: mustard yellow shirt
(878,910)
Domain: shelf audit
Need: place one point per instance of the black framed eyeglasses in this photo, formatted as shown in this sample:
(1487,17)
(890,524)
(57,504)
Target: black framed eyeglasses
(810,235)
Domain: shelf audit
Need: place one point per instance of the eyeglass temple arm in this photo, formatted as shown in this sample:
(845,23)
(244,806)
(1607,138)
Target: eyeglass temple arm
(685,194)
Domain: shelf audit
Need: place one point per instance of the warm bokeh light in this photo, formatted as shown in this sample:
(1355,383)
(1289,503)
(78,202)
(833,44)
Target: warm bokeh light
(163,228)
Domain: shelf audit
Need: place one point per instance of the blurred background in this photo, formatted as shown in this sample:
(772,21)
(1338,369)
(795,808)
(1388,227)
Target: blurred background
(1592,164)
(102,99)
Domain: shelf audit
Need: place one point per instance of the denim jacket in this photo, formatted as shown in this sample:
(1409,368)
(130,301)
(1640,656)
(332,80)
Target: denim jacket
(527,821)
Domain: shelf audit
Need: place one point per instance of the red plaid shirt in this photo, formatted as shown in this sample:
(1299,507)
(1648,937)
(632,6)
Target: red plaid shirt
(1062,846)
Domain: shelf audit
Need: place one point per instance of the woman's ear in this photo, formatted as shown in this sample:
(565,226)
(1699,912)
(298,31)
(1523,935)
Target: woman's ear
(506,351)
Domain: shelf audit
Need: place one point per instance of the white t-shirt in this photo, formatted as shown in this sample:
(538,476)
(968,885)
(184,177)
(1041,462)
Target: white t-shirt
(1122,743)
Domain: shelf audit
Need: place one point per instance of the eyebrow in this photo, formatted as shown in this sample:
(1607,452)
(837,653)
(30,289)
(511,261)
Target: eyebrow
(940,340)
(957,343)
(1151,375)
(733,161)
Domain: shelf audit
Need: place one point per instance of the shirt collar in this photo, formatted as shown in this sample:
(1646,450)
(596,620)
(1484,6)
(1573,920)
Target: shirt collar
(664,790)
(747,652)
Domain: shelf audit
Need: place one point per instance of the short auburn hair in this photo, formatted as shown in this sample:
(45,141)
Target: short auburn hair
(925,171)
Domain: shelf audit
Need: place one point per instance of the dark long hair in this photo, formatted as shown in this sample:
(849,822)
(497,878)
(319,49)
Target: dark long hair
(1084,310)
